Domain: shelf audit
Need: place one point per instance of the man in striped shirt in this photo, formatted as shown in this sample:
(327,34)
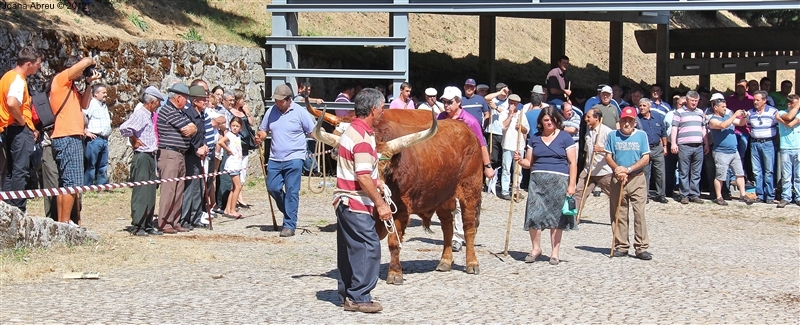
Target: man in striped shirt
(688,142)
(355,198)
(140,129)
(763,123)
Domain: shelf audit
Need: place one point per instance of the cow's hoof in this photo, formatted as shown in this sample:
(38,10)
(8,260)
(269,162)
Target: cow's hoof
(473,270)
(394,279)
(443,267)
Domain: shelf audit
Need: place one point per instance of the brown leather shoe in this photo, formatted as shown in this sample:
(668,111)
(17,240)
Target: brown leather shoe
(364,307)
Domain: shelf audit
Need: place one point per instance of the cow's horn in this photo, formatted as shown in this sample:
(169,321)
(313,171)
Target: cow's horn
(320,134)
(332,119)
(396,145)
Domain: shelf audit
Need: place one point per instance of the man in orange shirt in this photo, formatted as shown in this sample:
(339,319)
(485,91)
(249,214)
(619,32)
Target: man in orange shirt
(68,129)
(17,124)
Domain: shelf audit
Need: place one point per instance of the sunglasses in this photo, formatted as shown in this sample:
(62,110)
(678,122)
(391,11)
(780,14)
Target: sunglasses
(448,102)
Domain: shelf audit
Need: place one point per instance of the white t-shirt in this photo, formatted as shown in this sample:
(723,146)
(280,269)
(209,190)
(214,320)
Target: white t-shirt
(17,88)
(438,107)
(234,161)
(510,137)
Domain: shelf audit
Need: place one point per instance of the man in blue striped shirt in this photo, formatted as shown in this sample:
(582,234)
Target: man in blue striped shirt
(763,123)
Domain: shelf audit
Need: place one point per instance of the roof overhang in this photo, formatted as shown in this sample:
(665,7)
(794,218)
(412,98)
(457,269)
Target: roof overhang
(478,7)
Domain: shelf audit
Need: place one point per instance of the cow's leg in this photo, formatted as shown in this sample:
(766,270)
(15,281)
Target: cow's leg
(446,220)
(470,210)
(395,275)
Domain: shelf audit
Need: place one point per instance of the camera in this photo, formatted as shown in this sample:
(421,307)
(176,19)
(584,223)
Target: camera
(89,71)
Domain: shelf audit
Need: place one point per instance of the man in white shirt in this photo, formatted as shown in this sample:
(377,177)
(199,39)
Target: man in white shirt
(431,104)
(514,124)
(98,129)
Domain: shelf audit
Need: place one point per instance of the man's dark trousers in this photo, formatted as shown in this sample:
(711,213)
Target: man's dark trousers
(143,198)
(19,148)
(655,170)
(192,206)
(358,254)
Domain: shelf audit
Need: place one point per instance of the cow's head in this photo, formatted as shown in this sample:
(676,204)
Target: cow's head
(385,150)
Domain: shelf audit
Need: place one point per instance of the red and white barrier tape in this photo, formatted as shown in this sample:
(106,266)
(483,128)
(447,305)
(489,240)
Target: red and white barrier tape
(27,194)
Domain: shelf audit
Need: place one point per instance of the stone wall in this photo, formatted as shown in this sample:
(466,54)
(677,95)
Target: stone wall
(18,230)
(131,67)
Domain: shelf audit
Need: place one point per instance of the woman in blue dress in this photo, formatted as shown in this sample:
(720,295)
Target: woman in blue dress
(552,158)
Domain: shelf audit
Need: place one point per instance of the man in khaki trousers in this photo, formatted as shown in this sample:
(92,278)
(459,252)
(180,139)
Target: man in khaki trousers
(627,153)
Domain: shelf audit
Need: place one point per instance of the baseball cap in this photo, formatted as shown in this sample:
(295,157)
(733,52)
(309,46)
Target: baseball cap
(606,89)
(451,92)
(538,90)
(628,112)
(600,87)
(717,96)
(179,88)
(483,86)
(470,81)
(430,92)
(500,85)
(514,97)
(281,92)
(153,91)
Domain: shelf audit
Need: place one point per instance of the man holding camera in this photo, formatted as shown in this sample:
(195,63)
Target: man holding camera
(17,124)
(68,129)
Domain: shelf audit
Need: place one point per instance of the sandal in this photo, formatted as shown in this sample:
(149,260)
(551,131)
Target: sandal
(234,216)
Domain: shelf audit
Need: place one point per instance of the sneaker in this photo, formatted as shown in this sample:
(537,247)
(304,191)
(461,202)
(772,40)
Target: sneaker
(747,200)
(720,201)
(596,193)
(697,200)
(139,232)
(204,218)
(456,246)
(286,232)
(363,307)
(505,196)
(684,200)
(782,204)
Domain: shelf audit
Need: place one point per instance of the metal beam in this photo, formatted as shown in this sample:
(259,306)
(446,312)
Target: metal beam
(507,6)
(336,73)
(662,59)
(335,40)
(558,40)
(647,17)
(724,39)
(399,28)
(615,53)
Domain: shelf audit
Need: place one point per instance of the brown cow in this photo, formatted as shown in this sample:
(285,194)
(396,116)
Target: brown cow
(425,178)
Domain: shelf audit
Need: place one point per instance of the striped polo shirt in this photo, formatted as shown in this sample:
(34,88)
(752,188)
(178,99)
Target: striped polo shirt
(357,156)
(690,125)
(762,125)
(170,121)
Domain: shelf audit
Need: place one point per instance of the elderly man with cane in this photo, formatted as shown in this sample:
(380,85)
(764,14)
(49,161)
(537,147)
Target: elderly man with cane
(596,172)
(627,153)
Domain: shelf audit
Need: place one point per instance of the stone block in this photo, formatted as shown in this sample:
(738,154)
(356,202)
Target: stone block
(198,48)
(18,231)
(212,74)
(228,53)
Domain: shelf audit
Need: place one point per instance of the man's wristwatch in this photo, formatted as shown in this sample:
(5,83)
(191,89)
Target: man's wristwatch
(487,166)
(629,170)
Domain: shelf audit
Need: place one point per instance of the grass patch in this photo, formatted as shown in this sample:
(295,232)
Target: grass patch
(192,35)
(138,21)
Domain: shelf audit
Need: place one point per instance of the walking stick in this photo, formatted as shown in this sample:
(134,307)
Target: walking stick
(616,219)
(206,189)
(514,194)
(589,175)
(264,170)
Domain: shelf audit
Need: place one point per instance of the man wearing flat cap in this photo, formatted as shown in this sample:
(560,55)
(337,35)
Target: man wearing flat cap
(289,124)
(174,134)
(431,104)
(140,129)
(192,202)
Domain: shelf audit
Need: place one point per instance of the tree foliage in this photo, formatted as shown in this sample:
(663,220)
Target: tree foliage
(777,18)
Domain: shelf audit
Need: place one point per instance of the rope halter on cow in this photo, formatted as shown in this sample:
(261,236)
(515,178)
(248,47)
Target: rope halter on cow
(389,224)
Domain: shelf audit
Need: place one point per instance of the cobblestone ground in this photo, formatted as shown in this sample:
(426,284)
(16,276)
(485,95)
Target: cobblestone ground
(736,264)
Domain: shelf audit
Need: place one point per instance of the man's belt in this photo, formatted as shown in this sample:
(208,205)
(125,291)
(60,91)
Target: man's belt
(761,140)
(179,150)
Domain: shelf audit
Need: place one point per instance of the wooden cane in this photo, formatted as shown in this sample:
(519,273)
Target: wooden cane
(206,191)
(515,193)
(264,170)
(589,175)
(616,219)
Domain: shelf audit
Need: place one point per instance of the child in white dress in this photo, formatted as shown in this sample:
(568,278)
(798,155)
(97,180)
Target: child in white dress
(232,144)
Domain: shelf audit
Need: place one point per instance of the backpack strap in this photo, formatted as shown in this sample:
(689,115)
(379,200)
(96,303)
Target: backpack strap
(64,103)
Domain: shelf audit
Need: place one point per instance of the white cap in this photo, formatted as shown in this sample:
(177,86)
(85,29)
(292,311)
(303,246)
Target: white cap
(451,92)
(430,92)
(717,96)
(537,90)
(482,86)
(607,89)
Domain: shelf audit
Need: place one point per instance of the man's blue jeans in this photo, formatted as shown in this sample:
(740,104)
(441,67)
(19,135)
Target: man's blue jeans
(95,162)
(762,155)
(505,179)
(285,174)
(791,174)
(690,165)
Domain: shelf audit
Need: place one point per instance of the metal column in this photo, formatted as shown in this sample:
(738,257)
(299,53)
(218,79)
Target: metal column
(662,59)
(558,40)
(284,56)
(615,53)
(399,29)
